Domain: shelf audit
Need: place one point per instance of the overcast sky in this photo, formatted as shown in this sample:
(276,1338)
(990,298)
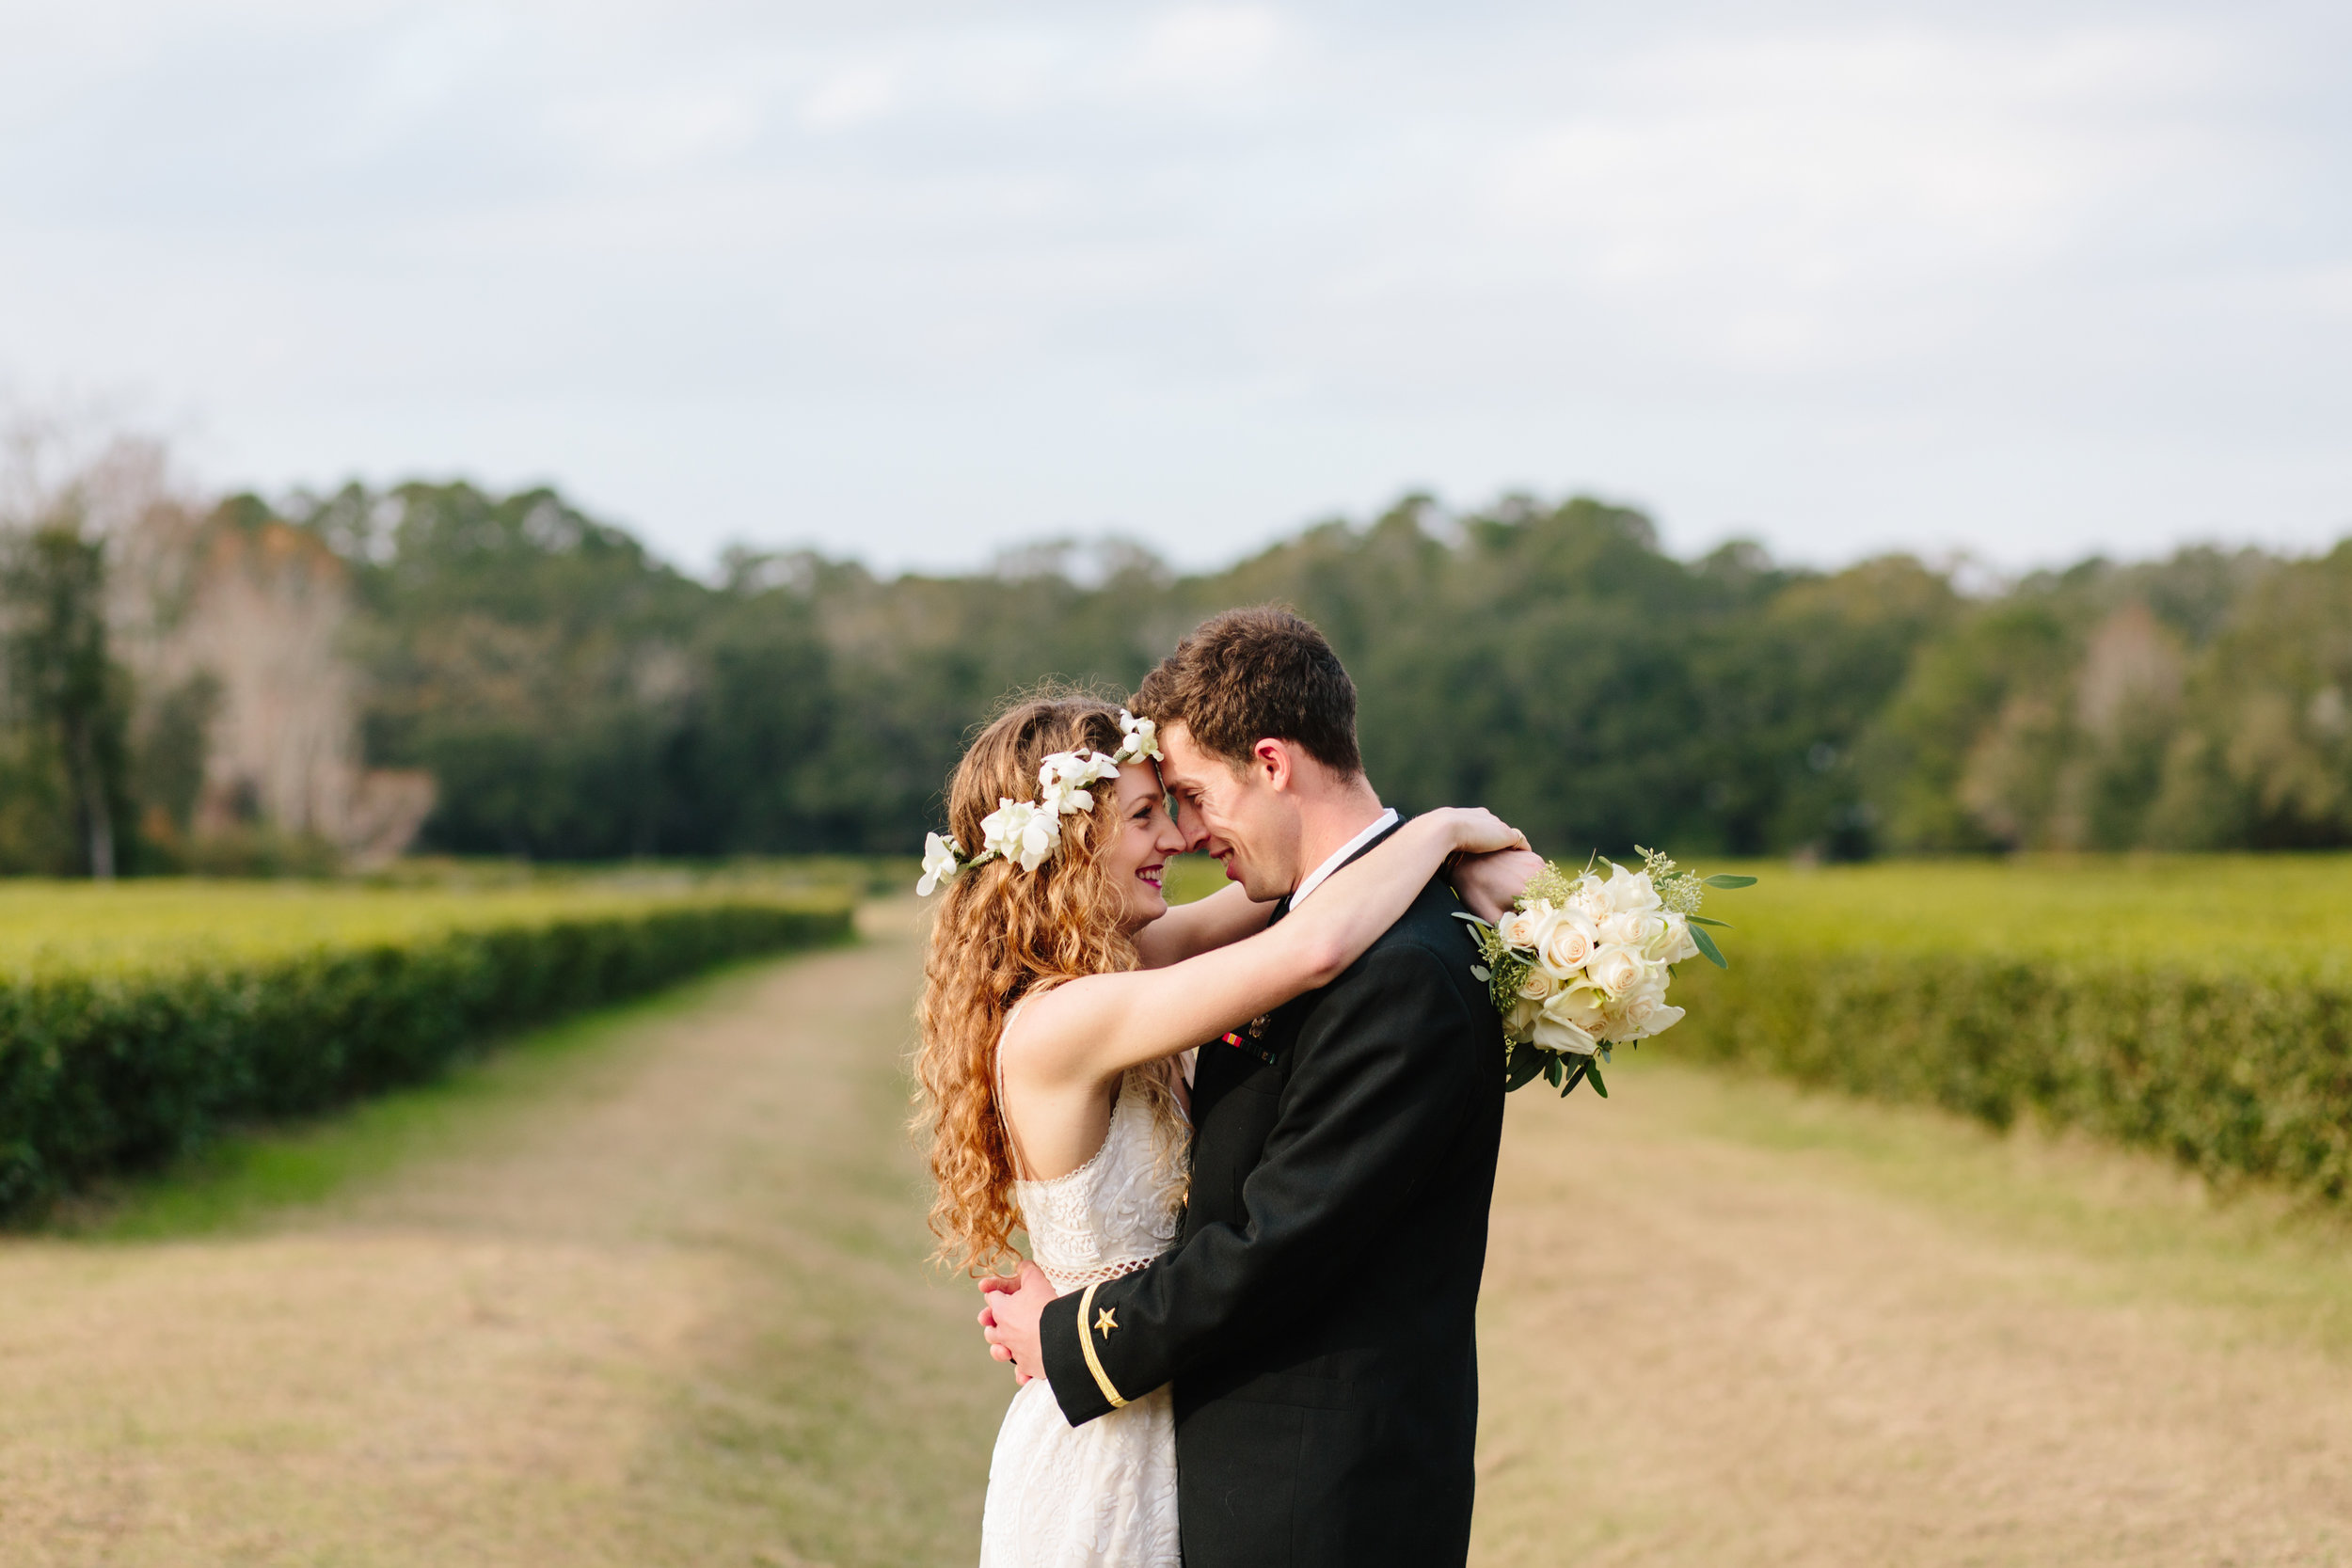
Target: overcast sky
(916,283)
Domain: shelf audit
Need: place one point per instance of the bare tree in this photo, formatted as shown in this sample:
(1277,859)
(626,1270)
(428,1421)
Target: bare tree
(72,503)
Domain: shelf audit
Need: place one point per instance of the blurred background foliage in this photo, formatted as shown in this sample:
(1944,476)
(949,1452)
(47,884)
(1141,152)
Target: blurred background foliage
(569,696)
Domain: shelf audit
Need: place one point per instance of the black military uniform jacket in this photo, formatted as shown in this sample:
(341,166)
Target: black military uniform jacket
(1317,1313)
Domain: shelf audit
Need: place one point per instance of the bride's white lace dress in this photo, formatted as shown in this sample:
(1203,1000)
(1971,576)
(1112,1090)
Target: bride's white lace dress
(1103,1495)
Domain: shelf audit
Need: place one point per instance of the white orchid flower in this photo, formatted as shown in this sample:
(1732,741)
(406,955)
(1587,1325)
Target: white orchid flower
(1021,832)
(941,864)
(1142,742)
(1063,779)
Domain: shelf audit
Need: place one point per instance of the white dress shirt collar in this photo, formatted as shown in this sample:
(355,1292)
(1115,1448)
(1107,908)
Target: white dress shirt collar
(1322,874)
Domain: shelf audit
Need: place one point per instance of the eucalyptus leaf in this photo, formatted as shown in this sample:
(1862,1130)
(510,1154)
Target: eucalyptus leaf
(1707,947)
(1481,973)
(1576,1076)
(1702,920)
(1592,1070)
(1526,1064)
(1552,1070)
(1725,879)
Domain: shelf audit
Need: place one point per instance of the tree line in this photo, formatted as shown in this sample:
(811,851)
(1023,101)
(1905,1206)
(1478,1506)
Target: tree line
(576,698)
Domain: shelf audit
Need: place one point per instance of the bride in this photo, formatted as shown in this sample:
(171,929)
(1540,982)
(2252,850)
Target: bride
(1061,997)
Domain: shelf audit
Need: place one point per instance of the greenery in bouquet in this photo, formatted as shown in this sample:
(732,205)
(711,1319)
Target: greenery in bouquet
(1582,963)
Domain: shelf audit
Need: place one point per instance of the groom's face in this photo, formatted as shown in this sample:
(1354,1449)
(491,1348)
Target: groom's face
(1238,814)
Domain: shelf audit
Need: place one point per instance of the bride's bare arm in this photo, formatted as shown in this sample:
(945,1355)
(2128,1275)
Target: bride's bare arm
(1487,884)
(1082,1033)
(1187,931)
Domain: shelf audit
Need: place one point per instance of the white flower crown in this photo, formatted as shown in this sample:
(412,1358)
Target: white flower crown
(1029,832)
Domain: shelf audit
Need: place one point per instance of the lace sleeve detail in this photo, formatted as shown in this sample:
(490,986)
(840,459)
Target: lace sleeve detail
(1065,1281)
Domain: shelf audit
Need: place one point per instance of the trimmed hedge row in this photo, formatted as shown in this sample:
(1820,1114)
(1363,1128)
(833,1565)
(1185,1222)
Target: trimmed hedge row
(2232,1072)
(103,1071)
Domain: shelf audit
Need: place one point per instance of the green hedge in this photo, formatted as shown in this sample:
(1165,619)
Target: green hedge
(106,1068)
(2244,1070)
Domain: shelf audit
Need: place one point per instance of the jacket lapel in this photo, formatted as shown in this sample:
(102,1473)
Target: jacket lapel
(1283,904)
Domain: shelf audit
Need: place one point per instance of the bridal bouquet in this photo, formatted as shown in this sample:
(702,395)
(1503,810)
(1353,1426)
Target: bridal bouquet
(1582,963)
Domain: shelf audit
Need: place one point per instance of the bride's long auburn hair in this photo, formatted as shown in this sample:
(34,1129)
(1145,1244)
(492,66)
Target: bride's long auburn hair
(1000,934)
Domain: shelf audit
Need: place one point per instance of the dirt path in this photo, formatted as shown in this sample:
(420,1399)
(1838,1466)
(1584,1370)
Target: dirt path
(664,1308)
(1825,1333)
(662,1303)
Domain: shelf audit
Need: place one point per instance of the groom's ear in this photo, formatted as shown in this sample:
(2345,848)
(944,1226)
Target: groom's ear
(1272,761)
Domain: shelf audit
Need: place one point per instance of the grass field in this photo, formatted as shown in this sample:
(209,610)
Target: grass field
(2200,1008)
(647,1289)
(2184,909)
(138,1018)
(144,926)
(2207,913)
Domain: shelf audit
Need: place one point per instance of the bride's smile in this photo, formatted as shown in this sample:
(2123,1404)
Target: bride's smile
(1139,855)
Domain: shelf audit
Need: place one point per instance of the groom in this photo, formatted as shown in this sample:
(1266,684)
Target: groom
(1316,1314)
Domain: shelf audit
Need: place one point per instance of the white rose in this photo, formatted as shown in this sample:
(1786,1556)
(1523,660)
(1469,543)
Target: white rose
(1617,970)
(1578,1004)
(1646,1014)
(1524,929)
(1631,892)
(1558,1034)
(1536,986)
(1568,945)
(1589,896)
(1671,943)
(1633,927)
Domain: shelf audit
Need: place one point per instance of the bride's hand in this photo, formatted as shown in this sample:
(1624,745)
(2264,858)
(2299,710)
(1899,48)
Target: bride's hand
(1491,885)
(1478,831)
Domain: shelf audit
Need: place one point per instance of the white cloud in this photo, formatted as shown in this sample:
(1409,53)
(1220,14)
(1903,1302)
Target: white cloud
(2023,277)
(1783,198)
(1209,47)
(850,97)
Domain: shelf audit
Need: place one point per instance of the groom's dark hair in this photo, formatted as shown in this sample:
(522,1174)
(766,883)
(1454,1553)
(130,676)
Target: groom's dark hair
(1251,674)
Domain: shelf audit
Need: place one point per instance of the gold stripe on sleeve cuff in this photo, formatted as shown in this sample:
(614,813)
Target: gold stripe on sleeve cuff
(1086,1342)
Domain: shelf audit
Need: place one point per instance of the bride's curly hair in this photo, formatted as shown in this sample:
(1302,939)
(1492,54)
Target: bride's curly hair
(1001,934)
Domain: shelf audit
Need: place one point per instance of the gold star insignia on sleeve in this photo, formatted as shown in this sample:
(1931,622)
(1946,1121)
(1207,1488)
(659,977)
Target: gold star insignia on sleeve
(1107,1320)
